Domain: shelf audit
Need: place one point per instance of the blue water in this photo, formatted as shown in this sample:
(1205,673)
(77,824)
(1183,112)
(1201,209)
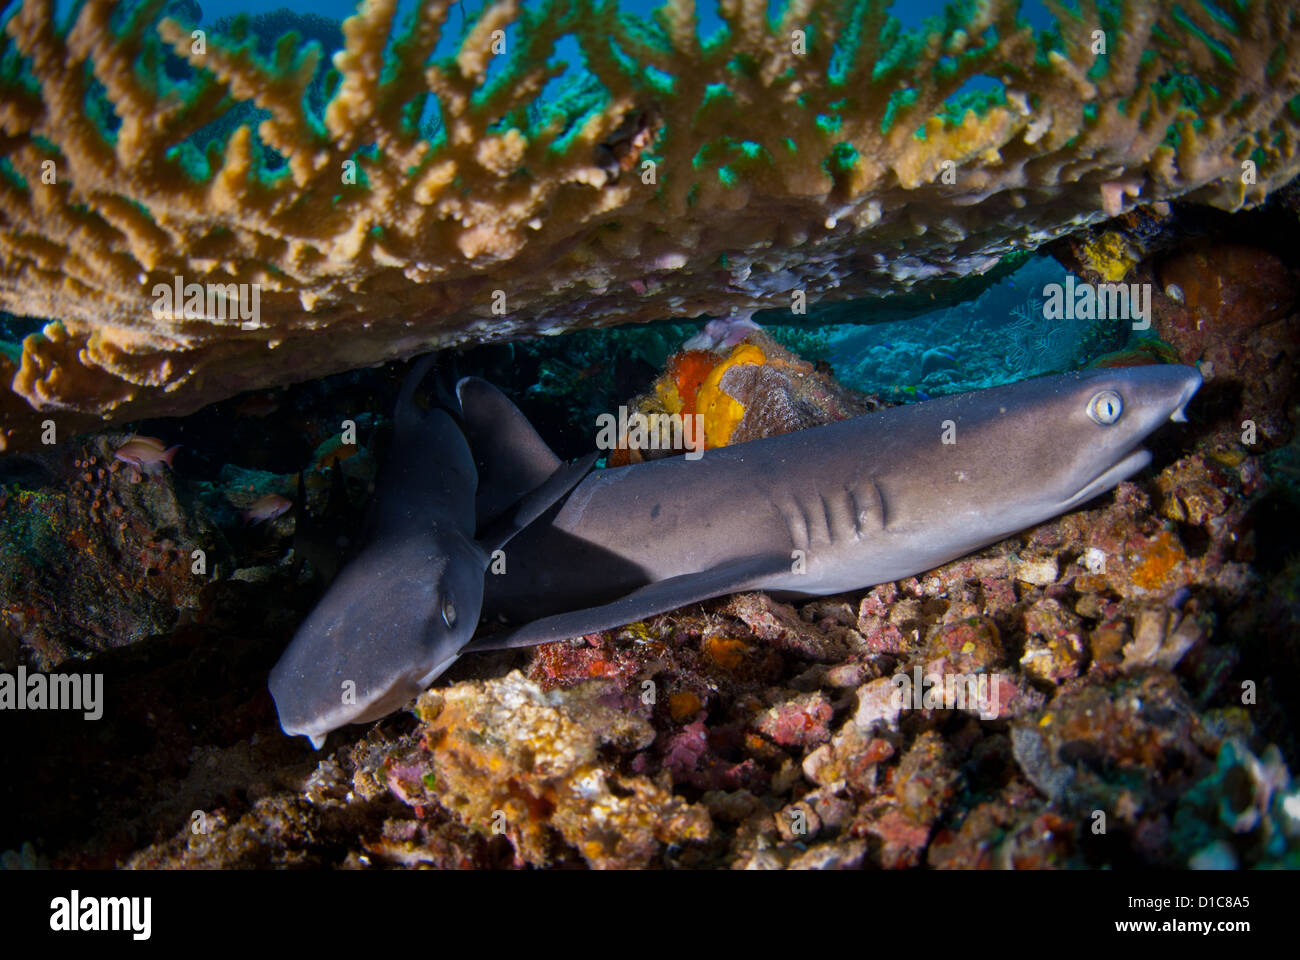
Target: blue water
(997,337)
(911,13)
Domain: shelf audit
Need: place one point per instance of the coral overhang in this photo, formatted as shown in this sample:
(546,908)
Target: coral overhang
(824,151)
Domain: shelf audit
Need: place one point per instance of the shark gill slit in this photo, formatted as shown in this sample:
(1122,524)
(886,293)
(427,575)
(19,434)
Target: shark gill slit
(875,505)
(807,521)
(794,516)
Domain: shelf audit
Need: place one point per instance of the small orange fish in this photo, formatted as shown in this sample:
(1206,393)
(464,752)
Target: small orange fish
(333,451)
(145,455)
(265,508)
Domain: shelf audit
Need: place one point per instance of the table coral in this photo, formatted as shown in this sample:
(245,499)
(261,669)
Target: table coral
(829,152)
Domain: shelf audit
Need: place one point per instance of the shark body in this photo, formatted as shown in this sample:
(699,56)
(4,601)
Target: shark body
(825,510)
(831,509)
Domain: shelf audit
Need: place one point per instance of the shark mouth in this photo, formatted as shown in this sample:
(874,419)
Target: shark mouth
(1135,459)
(1180,412)
(1132,462)
(436,671)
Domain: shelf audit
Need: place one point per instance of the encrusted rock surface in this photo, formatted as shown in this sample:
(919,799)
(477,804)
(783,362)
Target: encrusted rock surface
(1104,689)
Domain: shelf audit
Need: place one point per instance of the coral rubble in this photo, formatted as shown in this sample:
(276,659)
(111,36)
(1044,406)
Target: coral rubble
(1106,724)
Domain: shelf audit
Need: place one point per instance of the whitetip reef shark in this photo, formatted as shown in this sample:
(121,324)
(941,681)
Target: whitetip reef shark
(820,511)
(401,609)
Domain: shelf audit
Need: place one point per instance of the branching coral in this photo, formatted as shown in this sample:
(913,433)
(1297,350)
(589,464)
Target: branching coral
(826,151)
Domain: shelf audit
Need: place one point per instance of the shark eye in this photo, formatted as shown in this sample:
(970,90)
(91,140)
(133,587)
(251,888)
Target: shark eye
(1105,407)
(448,612)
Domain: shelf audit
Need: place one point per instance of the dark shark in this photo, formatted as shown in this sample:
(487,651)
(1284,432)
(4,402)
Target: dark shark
(401,610)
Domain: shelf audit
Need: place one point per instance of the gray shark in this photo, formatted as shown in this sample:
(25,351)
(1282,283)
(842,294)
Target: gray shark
(401,609)
(826,510)
(831,509)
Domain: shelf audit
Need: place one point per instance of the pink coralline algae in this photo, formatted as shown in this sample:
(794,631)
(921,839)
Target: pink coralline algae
(801,722)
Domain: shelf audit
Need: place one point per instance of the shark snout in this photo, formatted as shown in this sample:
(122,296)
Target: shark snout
(1192,381)
(1153,396)
(1149,397)
(1157,395)
(1164,390)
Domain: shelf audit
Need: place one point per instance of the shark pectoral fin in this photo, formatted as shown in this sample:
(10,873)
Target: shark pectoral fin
(655,598)
(511,457)
(535,503)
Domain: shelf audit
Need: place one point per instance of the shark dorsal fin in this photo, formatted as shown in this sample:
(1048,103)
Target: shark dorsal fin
(428,473)
(512,459)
